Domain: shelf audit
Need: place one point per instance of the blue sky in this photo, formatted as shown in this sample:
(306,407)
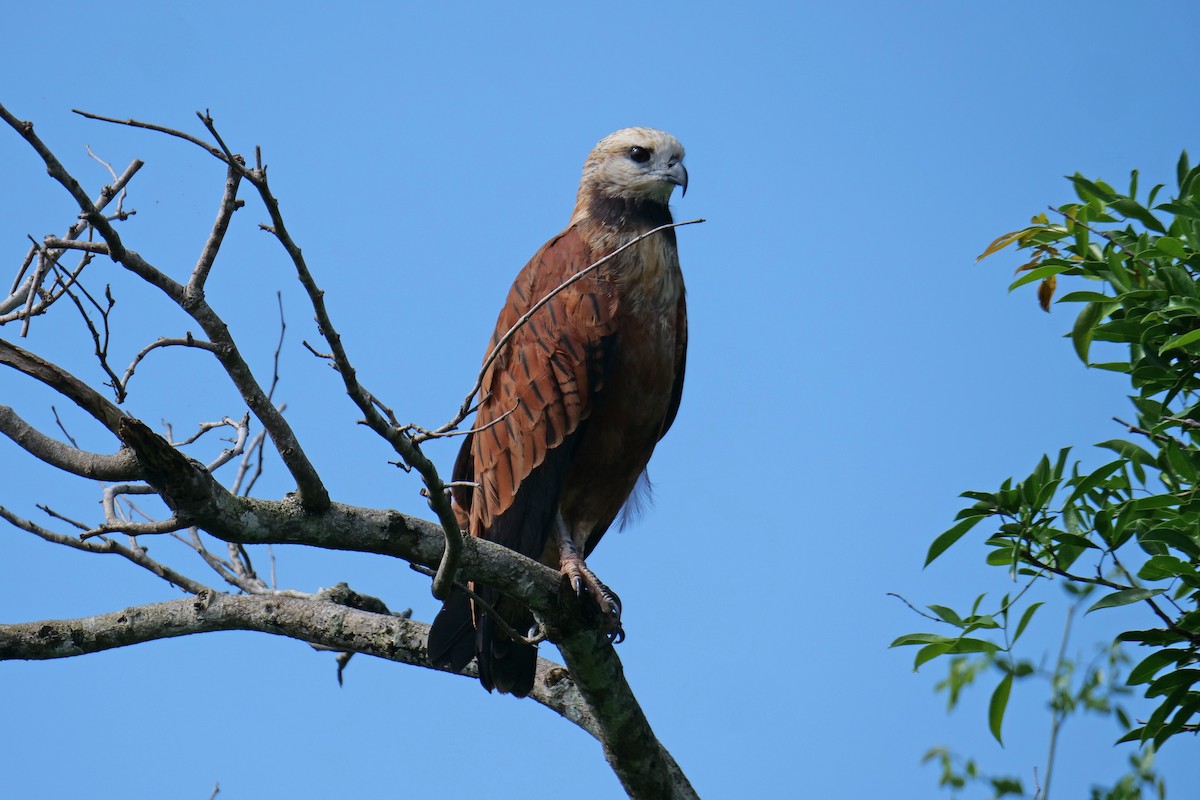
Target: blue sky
(850,371)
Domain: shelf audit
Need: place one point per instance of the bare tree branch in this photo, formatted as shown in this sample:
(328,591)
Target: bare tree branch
(401,442)
(320,622)
(593,661)
(62,382)
(186,341)
(59,173)
(404,445)
(644,766)
(136,555)
(120,466)
(198,499)
(45,297)
(133,123)
(229,204)
(311,489)
(100,342)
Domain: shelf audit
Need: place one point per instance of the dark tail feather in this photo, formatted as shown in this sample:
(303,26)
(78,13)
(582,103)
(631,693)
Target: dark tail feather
(505,665)
(452,636)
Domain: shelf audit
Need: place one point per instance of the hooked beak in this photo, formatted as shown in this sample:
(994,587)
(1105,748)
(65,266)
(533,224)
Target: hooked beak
(677,174)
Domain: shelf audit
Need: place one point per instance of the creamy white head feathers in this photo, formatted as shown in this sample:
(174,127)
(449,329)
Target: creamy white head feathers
(635,164)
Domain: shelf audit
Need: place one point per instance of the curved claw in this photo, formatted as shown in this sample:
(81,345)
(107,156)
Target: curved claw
(576,572)
(607,602)
(610,607)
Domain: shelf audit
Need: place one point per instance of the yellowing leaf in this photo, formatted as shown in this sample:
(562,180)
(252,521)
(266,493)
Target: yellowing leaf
(1000,243)
(1046,292)
(1030,264)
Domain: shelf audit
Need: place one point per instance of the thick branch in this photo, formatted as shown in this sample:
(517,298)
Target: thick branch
(644,766)
(62,382)
(318,622)
(198,499)
(120,466)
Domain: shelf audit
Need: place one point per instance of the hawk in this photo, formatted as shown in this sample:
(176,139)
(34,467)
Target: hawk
(574,402)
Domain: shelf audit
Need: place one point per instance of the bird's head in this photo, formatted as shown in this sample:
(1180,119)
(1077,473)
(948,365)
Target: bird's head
(635,164)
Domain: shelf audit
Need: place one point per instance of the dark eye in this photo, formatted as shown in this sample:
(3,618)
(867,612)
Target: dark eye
(639,154)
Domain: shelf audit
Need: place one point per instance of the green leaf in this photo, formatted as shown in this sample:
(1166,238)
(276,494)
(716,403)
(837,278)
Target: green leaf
(974,623)
(1002,787)
(1122,717)
(1001,556)
(1085,297)
(1124,597)
(1133,209)
(1093,480)
(1087,190)
(1038,274)
(1085,325)
(969,645)
(1129,451)
(1155,637)
(935,645)
(1188,187)
(1172,247)
(948,615)
(1025,618)
(1153,502)
(1173,538)
(1112,366)
(1060,463)
(1151,664)
(998,705)
(1134,735)
(1187,710)
(942,542)
(1172,682)
(1179,210)
(1075,540)
(920,638)
(1158,568)
(1180,341)
(928,653)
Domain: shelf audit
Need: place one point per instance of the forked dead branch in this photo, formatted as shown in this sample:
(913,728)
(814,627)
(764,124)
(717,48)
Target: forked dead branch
(590,692)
